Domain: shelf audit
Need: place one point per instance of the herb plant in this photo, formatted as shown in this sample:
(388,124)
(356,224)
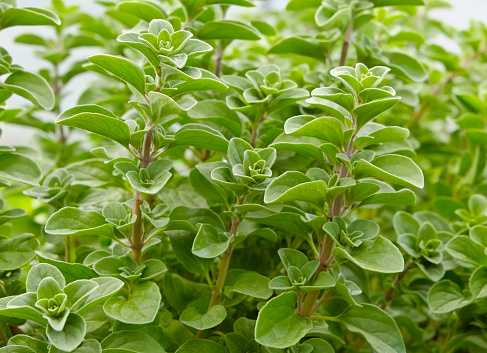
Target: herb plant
(311,180)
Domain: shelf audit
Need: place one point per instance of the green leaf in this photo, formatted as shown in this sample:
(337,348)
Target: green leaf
(206,83)
(335,95)
(473,103)
(376,326)
(180,292)
(107,287)
(28,16)
(201,346)
(227,30)
(320,345)
(445,296)
(404,223)
(209,243)
(200,317)
(287,221)
(327,129)
(372,134)
(70,271)
(17,252)
(465,249)
(89,346)
(17,167)
(331,108)
(298,5)
(224,176)
(394,169)
(70,221)
(264,28)
(368,111)
(251,284)
(124,69)
(41,271)
(307,146)
(22,307)
(140,307)
(32,87)
(298,46)
(78,290)
(131,341)
(322,281)
(378,3)
(292,257)
(361,191)
(278,325)
(163,107)
(97,119)
(144,10)
(478,283)
(388,195)
(36,345)
(200,179)
(246,3)
(157,180)
(181,243)
(379,255)
(296,186)
(218,113)
(333,19)
(201,136)
(405,66)
(72,334)
(16,349)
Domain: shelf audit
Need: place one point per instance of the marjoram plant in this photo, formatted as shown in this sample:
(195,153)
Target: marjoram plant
(235,179)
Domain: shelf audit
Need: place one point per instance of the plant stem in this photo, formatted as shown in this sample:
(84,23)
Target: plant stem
(3,336)
(346,44)
(218,59)
(224,265)
(255,130)
(137,241)
(56,88)
(68,246)
(326,257)
(400,276)
(326,248)
(300,303)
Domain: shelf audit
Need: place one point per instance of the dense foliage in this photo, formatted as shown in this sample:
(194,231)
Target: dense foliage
(311,180)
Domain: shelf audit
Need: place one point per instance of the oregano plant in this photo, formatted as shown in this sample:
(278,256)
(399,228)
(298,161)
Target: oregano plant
(232,179)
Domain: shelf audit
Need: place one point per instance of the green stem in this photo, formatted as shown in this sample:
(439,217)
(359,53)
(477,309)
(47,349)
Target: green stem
(326,257)
(68,249)
(326,248)
(224,265)
(137,241)
(3,336)
(255,130)
(400,276)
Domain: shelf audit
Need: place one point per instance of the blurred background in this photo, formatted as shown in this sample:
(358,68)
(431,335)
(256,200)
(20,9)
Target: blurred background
(459,15)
